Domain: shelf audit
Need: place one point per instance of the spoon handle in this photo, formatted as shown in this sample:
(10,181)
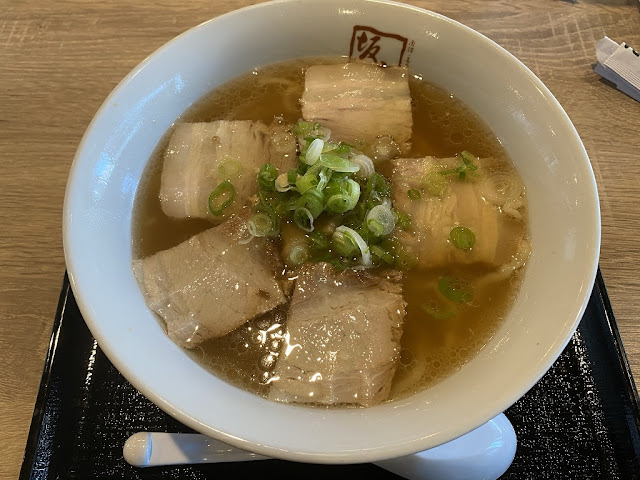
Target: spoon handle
(152,449)
(484,453)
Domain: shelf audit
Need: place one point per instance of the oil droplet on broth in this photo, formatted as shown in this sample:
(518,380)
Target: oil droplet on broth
(267,362)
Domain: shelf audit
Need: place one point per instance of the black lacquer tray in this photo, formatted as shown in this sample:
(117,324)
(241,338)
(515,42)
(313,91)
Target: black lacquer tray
(582,420)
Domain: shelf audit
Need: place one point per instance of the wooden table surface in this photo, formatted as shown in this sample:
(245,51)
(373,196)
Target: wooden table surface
(59,60)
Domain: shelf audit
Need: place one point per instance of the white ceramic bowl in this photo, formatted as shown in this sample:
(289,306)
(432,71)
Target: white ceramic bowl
(564,220)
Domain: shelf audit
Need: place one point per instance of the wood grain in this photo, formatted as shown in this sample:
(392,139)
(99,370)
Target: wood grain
(59,60)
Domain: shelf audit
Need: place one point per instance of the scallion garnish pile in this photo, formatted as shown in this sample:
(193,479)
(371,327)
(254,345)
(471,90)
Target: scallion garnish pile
(337,199)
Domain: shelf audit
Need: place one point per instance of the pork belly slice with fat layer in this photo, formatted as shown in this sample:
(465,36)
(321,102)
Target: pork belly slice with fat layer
(211,284)
(472,203)
(343,338)
(359,101)
(200,156)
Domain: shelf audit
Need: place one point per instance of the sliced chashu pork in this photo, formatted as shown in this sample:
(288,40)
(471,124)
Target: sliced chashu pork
(211,284)
(499,236)
(343,337)
(359,101)
(200,156)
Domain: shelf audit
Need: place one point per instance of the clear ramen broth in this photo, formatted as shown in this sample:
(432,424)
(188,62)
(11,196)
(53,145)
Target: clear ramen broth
(432,348)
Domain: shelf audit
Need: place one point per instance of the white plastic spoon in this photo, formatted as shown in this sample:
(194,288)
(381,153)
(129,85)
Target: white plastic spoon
(484,453)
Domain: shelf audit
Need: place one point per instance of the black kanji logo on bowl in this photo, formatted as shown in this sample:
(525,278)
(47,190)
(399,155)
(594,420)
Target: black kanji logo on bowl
(367,43)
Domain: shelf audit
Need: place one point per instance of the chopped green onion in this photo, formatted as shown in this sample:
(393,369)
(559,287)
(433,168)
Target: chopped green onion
(335,186)
(343,244)
(324,175)
(338,203)
(221,197)
(341,149)
(299,254)
(380,253)
(313,152)
(337,163)
(262,225)
(381,185)
(380,220)
(229,168)
(456,290)
(465,169)
(414,194)
(324,181)
(267,177)
(303,219)
(362,245)
(342,196)
(312,201)
(462,237)
(366,166)
(435,183)
(376,190)
(307,181)
(437,312)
